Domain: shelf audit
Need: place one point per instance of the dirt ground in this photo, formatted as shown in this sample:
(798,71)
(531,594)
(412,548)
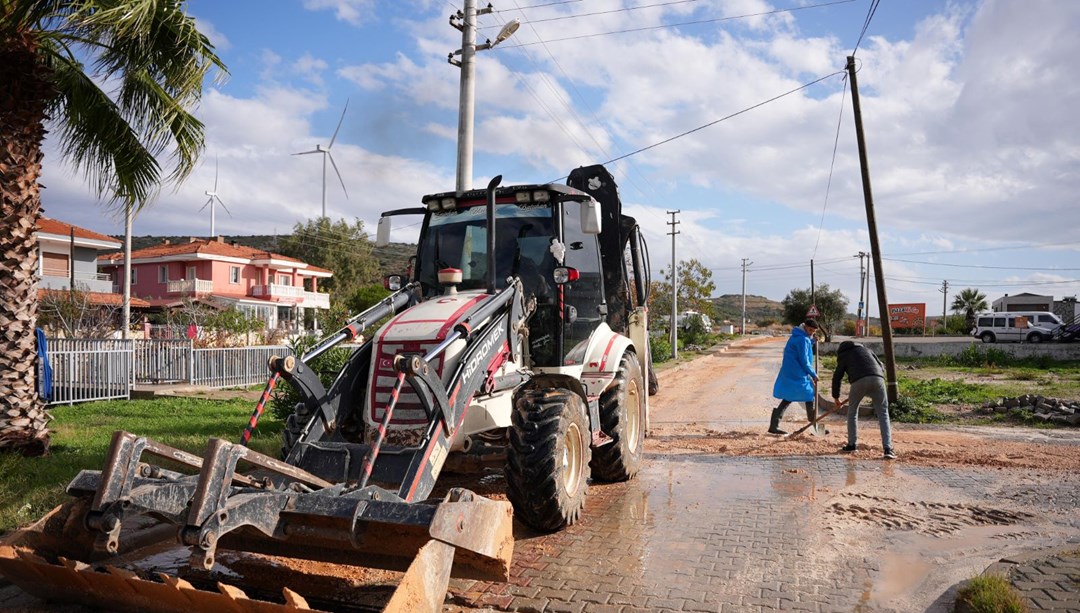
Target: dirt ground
(731,434)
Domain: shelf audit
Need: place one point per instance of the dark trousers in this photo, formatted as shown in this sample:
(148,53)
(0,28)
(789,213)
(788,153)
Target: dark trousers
(778,413)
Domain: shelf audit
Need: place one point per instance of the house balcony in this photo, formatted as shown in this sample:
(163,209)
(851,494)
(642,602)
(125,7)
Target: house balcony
(84,281)
(190,286)
(293,295)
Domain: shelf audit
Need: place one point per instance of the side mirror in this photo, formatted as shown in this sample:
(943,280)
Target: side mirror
(382,234)
(590,216)
(392,282)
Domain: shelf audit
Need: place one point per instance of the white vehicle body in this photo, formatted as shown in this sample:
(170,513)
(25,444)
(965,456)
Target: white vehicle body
(1009,327)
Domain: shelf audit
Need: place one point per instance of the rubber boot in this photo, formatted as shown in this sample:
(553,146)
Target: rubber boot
(774,421)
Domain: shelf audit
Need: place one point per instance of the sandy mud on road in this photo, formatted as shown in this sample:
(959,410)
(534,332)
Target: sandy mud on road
(741,420)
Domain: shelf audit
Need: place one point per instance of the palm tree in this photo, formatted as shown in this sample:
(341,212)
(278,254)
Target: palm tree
(970,301)
(153,61)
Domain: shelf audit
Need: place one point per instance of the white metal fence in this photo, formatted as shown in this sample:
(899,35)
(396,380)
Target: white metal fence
(102,369)
(234,366)
(90,369)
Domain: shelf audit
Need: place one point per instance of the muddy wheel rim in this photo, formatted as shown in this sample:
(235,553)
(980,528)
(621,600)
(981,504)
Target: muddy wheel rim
(633,416)
(571,459)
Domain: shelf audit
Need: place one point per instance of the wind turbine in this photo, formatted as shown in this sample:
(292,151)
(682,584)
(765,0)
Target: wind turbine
(213,196)
(326,154)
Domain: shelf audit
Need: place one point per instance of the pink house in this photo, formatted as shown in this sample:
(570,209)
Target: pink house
(270,286)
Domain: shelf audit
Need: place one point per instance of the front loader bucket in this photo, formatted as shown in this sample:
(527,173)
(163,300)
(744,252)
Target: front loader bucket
(141,538)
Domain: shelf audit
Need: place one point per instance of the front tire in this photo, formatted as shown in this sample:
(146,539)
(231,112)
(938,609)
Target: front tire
(1035,337)
(545,463)
(622,417)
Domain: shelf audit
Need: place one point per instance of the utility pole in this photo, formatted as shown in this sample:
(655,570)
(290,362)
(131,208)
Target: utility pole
(125,330)
(745,262)
(875,248)
(944,300)
(860,325)
(674,288)
(465,21)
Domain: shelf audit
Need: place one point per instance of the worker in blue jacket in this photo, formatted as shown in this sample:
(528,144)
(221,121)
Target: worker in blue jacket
(797,380)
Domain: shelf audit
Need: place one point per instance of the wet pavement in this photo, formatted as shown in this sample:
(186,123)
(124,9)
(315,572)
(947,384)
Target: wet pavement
(711,533)
(1047,580)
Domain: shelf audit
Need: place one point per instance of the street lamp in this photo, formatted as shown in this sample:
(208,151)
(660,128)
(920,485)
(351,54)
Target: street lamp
(465,21)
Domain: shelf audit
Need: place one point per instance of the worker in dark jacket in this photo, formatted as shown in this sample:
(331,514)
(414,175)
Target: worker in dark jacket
(867,379)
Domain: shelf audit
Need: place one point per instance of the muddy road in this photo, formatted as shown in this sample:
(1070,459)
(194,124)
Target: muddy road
(724,517)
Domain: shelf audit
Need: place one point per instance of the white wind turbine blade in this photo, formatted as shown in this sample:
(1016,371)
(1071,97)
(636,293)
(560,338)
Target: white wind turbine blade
(338,173)
(207,203)
(215,173)
(334,137)
(315,150)
(222,203)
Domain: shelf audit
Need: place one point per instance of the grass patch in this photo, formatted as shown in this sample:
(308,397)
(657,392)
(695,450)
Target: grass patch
(29,487)
(989,594)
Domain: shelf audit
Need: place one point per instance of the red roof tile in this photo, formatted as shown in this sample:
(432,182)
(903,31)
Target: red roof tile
(52,226)
(209,247)
(99,298)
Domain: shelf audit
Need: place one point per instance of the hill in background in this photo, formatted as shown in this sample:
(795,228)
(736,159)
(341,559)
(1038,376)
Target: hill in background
(758,308)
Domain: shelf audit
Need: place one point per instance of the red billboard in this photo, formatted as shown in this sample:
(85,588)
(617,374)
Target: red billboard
(907,316)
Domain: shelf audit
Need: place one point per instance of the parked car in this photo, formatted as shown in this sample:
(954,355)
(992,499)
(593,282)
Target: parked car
(1009,327)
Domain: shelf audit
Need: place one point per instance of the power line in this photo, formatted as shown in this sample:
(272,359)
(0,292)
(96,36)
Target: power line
(676,25)
(537,6)
(712,123)
(608,12)
(866,24)
(832,164)
(1039,269)
(983,249)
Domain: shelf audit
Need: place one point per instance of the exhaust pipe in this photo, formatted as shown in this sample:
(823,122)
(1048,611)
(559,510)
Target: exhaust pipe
(491,232)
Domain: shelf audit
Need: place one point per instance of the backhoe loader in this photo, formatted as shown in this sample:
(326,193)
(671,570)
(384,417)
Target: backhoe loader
(520,329)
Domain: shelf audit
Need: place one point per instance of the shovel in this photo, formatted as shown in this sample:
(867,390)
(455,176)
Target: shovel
(839,405)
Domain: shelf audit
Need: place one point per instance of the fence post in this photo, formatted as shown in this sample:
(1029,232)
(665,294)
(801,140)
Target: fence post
(191,362)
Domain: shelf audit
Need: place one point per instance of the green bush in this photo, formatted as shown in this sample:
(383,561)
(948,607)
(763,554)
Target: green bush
(914,411)
(327,366)
(989,594)
(975,356)
(661,349)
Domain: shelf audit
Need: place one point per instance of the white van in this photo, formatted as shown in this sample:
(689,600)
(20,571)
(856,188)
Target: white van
(1006,327)
(1041,319)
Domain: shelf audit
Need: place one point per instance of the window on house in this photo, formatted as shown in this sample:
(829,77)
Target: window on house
(55,264)
(284,280)
(163,274)
(134,275)
(234,274)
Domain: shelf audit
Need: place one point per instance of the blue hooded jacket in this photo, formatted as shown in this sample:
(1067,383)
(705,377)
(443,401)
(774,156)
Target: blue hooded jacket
(795,380)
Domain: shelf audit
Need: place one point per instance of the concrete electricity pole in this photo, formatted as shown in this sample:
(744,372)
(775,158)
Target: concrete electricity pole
(860,326)
(674,287)
(944,300)
(125,331)
(465,21)
(745,262)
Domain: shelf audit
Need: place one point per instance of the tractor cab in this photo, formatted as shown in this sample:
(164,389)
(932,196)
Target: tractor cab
(544,235)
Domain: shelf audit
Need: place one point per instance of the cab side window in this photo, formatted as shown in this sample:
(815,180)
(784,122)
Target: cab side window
(585,296)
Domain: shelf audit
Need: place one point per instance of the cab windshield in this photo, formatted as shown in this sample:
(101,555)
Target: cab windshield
(458,239)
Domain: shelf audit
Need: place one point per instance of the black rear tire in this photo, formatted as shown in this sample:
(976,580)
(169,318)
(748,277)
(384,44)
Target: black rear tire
(546,462)
(622,417)
(987,337)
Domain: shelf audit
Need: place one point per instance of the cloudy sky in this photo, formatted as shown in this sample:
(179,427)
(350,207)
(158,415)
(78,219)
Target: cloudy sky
(968,108)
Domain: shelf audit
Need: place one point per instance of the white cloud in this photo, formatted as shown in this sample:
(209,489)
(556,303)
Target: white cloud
(355,12)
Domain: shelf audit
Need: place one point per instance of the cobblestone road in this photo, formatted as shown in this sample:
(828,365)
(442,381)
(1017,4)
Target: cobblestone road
(708,533)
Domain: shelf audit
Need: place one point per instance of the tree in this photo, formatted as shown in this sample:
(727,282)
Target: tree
(831,306)
(338,246)
(73,314)
(695,288)
(969,301)
(153,56)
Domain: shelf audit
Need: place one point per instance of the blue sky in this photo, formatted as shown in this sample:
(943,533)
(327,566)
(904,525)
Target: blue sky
(968,106)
